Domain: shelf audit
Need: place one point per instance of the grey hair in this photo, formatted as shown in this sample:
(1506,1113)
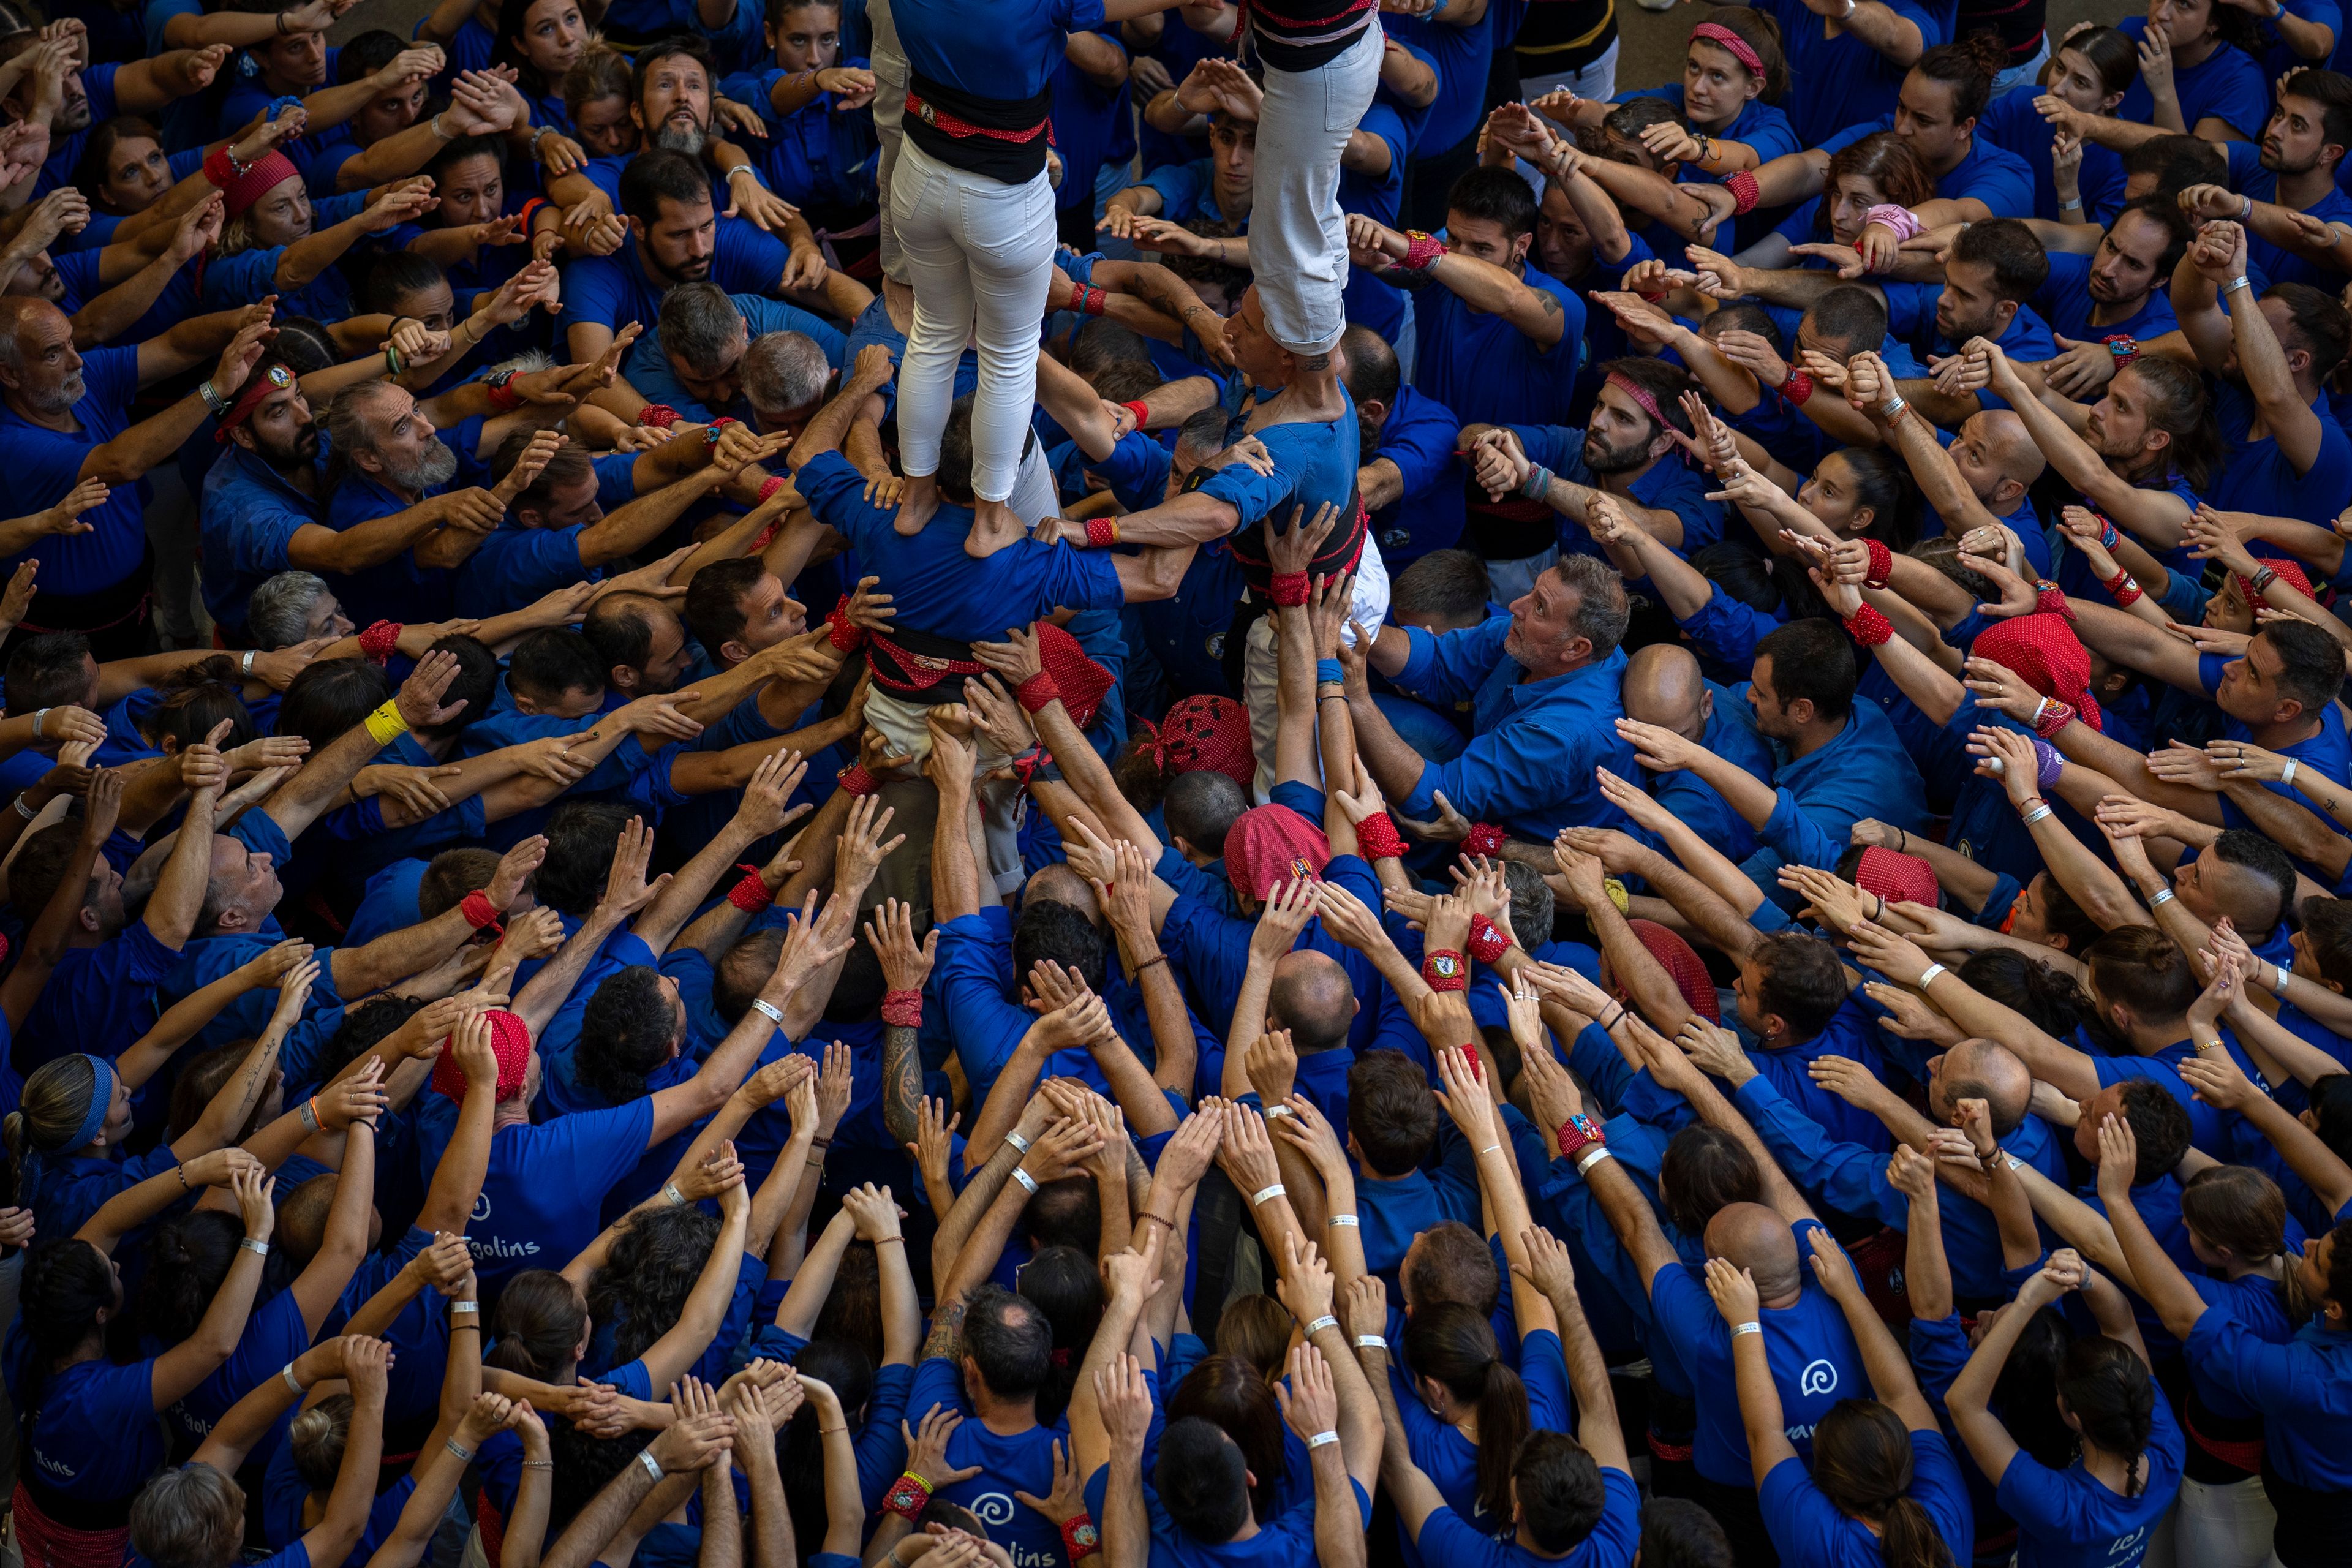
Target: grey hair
(278,613)
(1601,609)
(348,433)
(783,370)
(699,325)
(191,1516)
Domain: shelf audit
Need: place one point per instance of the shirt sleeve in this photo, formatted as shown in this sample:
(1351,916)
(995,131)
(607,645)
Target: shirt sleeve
(1847,1177)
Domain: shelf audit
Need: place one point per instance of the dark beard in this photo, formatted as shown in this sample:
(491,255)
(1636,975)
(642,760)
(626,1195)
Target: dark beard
(1607,459)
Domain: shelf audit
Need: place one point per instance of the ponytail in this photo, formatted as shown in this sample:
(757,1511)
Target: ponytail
(1456,1345)
(1911,1539)
(1502,1427)
(2107,1387)
(1862,1462)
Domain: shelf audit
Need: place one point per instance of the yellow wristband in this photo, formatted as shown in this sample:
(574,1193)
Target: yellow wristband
(385,723)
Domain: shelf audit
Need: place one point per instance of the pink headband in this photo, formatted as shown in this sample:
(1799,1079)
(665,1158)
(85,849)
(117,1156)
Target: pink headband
(1640,395)
(1734,45)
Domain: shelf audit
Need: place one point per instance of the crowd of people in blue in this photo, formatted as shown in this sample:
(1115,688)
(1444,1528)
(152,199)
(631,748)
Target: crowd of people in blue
(992,781)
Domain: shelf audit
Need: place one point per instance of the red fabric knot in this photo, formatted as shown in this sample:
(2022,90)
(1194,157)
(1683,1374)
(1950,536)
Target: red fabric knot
(1745,192)
(1643,398)
(856,780)
(1139,410)
(1486,942)
(1445,971)
(2047,656)
(1796,390)
(659,416)
(1102,532)
(1084,682)
(1088,300)
(2289,573)
(220,168)
(750,895)
(903,1008)
(2049,599)
(1682,963)
(1868,627)
(1376,838)
(479,912)
(509,1043)
(841,631)
(1036,692)
(381,640)
(1882,563)
(1896,877)
(1025,765)
(1484,838)
(1271,845)
(1205,731)
(1288,589)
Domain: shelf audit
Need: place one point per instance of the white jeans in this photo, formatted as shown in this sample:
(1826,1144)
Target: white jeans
(2223,1526)
(890,115)
(1597,81)
(1299,241)
(1368,607)
(981,253)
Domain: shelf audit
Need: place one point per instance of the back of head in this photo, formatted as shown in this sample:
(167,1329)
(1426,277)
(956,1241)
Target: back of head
(1063,1283)
(48,668)
(2141,968)
(316,1441)
(187,1256)
(1450,1262)
(451,875)
(1231,1393)
(1373,374)
(1391,1115)
(1314,999)
(330,696)
(628,1030)
(191,1516)
(784,372)
(956,455)
(1679,1534)
(1850,318)
(655,1261)
(1203,1479)
(1256,1329)
(1967,66)
(2327,932)
(1755,1238)
(39,870)
(701,327)
(1862,1462)
(1533,908)
(1008,1341)
(1704,1169)
(1455,1345)
(2160,1124)
(1201,806)
(2244,847)
(190,713)
(2237,1208)
(541,1322)
(1499,196)
(1812,661)
(1446,588)
(1050,931)
(52,1109)
(2317,322)
(67,1282)
(1990,1071)
(1801,978)
(1561,1497)
(1102,343)
(2019,266)
(582,836)
(201,1077)
(2107,1387)
(656,175)
(743,971)
(2175,163)
(550,664)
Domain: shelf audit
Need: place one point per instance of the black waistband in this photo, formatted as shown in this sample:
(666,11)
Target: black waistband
(72,1512)
(990,136)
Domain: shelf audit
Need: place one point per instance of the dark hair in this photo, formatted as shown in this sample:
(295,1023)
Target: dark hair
(2319,321)
(2019,266)
(1230,1394)
(628,1030)
(2175,396)
(2110,52)
(367,54)
(67,1283)
(476,684)
(1679,1534)
(1008,1340)
(1968,66)
(1862,1462)
(1664,382)
(1101,342)
(2107,1387)
(1049,930)
(2327,931)
(463,149)
(1456,1345)
(2332,90)
(858,991)
(2244,847)
(1882,481)
(396,273)
(40,866)
(2048,997)
(582,839)
(187,1256)
(305,344)
(617,629)
(1761,34)
(652,1269)
(2160,1123)
(189,713)
(2311,663)
(1452,585)
(1127,381)
(2339,1264)
(2331,1110)
(1062,1284)
(2239,1207)
(693,45)
(2022,1392)
(2142,968)
(1704,1170)
(1390,1112)
(451,875)
(1201,807)
(1533,908)
(1374,372)
(539,1322)
(98,152)
(1499,196)
(1745,316)
(956,455)
(2177,161)
(1776,585)
(1561,1496)
(1887,162)
(47,669)
(329,696)
(1812,661)
(656,175)
(1203,1480)
(845,1366)
(550,661)
(1943,553)
(1800,977)
(201,1077)
(1450,1262)
(713,609)
(365,1024)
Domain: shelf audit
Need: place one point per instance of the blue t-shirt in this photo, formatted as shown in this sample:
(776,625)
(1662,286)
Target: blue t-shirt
(1020,1462)
(1446,1537)
(1807,1528)
(2068,1517)
(2228,86)
(2065,302)
(1487,370)
(649,370)
(2011,123)
(1844,79)
(544,1191)
(613,290)
(45,464)
(92,1431)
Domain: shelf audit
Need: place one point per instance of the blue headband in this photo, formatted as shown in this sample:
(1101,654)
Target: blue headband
(101,1101)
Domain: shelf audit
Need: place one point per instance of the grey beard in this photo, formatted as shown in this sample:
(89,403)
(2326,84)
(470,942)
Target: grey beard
(70,391)
(690,142)
(435,469)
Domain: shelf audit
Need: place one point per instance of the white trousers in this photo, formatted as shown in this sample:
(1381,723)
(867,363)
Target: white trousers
(981,256)
(1298,241)
(889,117)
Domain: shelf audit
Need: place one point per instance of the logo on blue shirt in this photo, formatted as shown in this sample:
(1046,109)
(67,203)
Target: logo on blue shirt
(1818,1378)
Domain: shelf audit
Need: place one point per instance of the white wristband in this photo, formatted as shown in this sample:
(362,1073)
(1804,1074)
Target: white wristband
(27,813)
(2286,776)
(1322,1439)
(1928,976)
(244,666)
(1028,1181)
(1592,1157)
(1750,1327)
(1279,1110)
(1017,1140)
(2162,897)
(290,1380)
(1275,1191)
(768,1010)
(653,1466)
(669,1191)
(258,1248)
(40,716)
(1343,1219)
(1326,1321)
(1371,1343)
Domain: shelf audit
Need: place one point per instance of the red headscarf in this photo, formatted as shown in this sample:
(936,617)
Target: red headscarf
(1203,734)
(509,1042)
(1896,877)
(1269,845)
(2047,656)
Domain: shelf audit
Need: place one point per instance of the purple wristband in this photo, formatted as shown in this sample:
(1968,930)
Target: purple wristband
(2047,763)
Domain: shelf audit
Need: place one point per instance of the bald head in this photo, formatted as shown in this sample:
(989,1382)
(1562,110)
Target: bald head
(2008,444)
(1056,883)
(1754,1237)
(1982,1069)
(1313,998)
(1662,685)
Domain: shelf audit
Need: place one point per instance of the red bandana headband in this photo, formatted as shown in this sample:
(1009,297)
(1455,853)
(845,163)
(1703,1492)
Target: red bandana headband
(1641,395)
(1738,48)
(274,376)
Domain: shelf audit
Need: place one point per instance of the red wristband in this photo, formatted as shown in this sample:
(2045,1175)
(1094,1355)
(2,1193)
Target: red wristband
(2052,718)
(1882,563)
(479,912)
(1288,589)
(378,640)
(1487,944)
(904,1008)
(1080,1538)
(1036,692)
(770,486)
(1796,388)
(856,780)
(840,631)
(1445,971)
(502,397)
(1744,192)
(660,416)
(907,1496)
(1484,838)
(1868,627)
(220,168)
(2124,589)
(1087,300)
(1376,838)
(750,895)
(1102,532)
(2049,599)
(1139,410)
